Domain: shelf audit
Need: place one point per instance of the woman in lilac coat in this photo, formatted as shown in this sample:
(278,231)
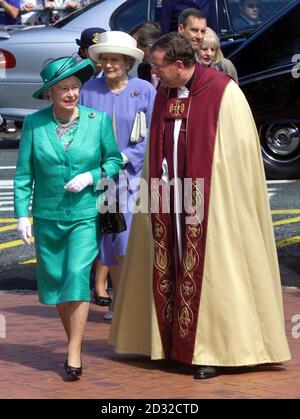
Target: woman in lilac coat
(121,96)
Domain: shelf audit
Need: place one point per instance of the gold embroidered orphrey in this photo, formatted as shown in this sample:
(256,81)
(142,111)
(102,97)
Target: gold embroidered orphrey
(177,108)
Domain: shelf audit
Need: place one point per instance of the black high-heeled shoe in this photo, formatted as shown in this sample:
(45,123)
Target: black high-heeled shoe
(73,372)
(101,301)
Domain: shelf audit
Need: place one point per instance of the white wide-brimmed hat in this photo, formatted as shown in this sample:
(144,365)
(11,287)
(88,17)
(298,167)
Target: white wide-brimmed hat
(116,42)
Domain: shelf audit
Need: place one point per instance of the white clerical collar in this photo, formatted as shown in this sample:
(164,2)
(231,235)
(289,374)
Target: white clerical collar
(182,91)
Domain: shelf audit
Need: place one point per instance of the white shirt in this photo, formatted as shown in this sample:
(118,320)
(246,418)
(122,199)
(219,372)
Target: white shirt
(182,92)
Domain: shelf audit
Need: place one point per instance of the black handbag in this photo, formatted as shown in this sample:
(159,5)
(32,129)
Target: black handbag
(112,222)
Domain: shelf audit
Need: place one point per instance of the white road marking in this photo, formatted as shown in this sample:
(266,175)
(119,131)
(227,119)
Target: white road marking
(6,183)
(270,182)
(6,198)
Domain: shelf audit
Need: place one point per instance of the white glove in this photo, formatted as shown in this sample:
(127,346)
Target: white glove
(24,229)
(79,182)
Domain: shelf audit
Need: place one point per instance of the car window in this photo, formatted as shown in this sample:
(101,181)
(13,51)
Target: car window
(132,13)
(273,48)
(249,14)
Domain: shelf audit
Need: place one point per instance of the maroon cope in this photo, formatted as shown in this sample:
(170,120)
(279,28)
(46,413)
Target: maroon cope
(177,284)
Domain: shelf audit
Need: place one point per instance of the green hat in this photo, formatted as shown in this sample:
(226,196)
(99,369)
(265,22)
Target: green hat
(60,69)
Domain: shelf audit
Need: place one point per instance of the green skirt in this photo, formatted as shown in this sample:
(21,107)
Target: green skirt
(65,253)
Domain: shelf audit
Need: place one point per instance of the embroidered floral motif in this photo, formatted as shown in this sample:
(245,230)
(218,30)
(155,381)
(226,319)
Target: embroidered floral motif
(190,260)
(187,288)
(194,230)
(185,320)
(158,230)
(169,313)
(161,259)
(165,286)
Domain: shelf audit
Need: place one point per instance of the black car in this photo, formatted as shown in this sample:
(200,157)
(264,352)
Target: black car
(269,70)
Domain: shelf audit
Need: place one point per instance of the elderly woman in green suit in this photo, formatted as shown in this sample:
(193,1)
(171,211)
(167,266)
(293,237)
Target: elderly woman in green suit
(64,151)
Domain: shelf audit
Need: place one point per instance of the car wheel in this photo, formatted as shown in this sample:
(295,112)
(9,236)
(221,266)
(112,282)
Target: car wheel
(280,145)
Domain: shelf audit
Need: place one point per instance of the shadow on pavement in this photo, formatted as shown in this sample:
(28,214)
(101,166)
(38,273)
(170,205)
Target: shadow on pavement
(9,144)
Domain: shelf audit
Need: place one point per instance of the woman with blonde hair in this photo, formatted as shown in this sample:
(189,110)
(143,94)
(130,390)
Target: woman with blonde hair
(210,55)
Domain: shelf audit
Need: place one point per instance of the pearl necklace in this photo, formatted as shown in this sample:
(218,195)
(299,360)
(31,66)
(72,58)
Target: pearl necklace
(64,128)
(64,124)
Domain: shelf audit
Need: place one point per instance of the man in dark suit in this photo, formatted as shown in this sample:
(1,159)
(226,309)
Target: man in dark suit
(249,14)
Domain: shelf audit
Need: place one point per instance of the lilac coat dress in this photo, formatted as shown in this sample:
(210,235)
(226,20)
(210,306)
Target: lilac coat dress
(138,95)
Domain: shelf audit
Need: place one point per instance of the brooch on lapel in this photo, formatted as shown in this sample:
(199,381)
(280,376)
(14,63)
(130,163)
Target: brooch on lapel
(134,94)
(92,115)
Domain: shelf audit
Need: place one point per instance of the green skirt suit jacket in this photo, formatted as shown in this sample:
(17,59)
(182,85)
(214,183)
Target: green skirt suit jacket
(66,224)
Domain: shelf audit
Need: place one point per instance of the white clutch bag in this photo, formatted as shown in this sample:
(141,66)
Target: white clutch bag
(139,129)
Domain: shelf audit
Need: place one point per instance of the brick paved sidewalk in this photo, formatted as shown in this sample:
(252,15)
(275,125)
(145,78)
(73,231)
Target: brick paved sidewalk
(33,352)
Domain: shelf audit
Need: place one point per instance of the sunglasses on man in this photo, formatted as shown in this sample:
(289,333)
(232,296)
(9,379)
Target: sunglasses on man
(253,5)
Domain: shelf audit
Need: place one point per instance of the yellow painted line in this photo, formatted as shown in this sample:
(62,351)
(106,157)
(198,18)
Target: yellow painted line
(11,220)
(14,243)
(285,211)
(7,228)
(288,242)
(28,262)
(286,221)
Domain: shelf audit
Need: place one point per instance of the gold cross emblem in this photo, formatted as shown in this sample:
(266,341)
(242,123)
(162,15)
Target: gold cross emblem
(177,108)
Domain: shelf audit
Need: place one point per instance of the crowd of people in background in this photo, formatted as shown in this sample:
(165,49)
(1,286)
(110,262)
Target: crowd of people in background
(37,12)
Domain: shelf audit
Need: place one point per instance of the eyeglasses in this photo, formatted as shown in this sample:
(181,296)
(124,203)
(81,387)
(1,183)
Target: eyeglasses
(253,5)
(158,67)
